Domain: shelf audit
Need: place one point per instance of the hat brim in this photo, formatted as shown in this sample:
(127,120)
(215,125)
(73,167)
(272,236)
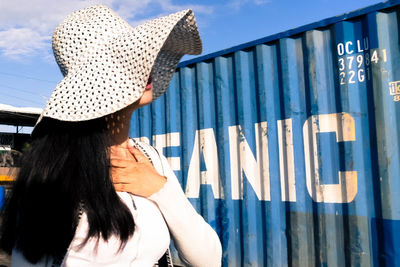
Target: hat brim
(183,39)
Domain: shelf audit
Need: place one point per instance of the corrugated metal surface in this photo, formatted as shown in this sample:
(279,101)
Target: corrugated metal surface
(289,145)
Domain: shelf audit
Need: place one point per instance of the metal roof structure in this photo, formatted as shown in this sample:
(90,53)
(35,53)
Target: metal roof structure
(19,116)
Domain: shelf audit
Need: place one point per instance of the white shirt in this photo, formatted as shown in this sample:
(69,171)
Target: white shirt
(168,209)
(148,243)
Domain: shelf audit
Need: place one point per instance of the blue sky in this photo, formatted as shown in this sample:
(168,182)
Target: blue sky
(28,72)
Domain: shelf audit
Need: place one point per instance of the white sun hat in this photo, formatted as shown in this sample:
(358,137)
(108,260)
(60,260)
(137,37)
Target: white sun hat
(106,63)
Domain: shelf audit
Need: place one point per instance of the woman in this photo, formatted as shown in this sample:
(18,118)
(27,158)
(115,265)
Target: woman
(64,208)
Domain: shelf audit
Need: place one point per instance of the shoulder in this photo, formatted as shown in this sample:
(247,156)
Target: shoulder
(143,145)
(157,159)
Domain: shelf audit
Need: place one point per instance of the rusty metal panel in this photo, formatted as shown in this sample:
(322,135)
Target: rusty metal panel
(289,145)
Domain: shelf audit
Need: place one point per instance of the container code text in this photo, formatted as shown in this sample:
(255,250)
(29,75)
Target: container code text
(355,59)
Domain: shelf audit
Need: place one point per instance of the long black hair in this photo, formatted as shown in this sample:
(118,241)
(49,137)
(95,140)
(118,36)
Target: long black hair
(66,169)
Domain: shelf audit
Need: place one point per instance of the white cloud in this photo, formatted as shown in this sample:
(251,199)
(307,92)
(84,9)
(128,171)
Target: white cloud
(168,6)
(237,4)
(40,15)
(26,26)
(22,41)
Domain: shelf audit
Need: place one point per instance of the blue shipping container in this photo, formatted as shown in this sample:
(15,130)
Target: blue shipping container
(289,145)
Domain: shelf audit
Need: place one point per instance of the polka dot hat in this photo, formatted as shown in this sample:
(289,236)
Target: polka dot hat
(106,63)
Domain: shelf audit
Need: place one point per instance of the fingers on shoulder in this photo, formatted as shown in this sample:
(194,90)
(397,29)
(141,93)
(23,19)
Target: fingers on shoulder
(138,154)
(120,163)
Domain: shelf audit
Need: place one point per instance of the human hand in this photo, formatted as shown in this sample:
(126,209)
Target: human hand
(132,172)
